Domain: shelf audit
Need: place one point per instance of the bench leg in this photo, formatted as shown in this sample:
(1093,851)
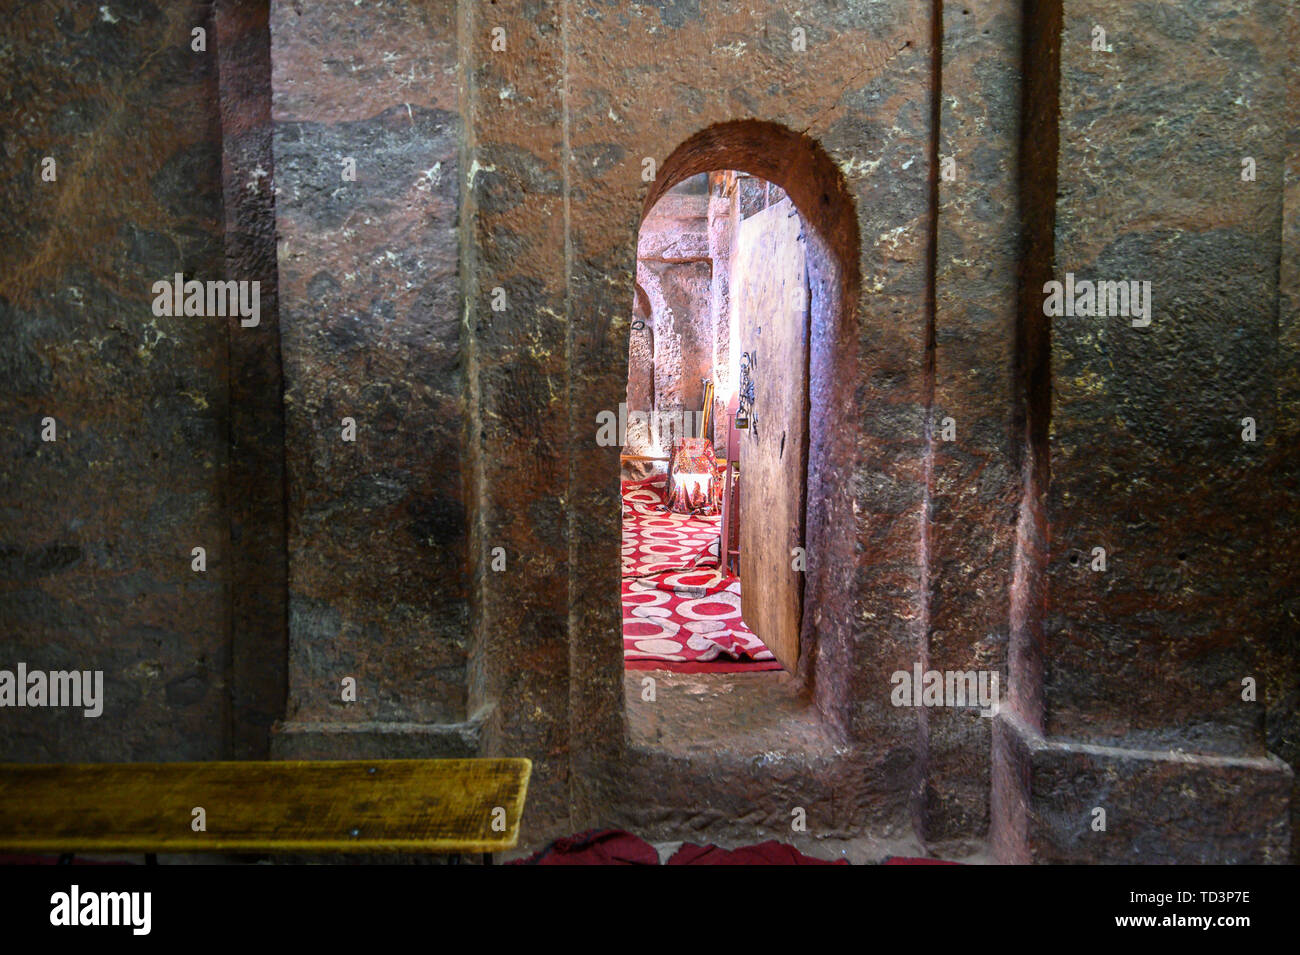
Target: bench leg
(453,859)
(487,858)
(151,858)
(65,858)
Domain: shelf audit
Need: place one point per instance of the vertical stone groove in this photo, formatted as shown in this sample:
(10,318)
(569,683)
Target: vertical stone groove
(1039,147)
(928,392)
(473,477)
(575,627)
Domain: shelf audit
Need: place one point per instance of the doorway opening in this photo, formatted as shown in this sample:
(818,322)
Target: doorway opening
(810,707)
(714,459)
(736,743)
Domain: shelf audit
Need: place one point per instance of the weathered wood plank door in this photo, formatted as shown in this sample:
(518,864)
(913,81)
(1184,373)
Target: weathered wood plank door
(770,298)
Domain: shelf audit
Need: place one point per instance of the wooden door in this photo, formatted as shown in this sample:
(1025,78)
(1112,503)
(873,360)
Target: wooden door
(770,301)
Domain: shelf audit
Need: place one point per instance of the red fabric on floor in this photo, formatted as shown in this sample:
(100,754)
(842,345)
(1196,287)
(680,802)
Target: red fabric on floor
(616,847)
(765,853)
(679,609)
(656,540)
(711,666)
(595,847)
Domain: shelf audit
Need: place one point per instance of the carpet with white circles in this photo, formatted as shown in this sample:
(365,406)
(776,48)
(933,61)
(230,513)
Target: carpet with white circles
(679,609)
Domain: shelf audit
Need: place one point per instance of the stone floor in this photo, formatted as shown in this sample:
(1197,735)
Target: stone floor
(751,745)
(752,713)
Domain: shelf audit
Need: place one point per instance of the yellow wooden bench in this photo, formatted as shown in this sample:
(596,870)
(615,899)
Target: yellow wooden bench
(448,806)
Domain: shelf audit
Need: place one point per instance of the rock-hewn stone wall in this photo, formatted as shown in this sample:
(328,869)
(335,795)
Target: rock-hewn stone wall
(676,271)
(443,201)
(367,144)
(97,526)
(1155,619)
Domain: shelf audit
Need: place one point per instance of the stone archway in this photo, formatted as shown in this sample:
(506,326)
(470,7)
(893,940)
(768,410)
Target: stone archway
(867,753)
(811,179)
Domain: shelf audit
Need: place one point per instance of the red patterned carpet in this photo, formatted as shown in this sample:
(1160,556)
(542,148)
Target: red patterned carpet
(680,612)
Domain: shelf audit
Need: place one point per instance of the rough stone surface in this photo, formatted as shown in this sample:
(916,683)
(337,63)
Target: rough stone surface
(370,330)
(756,749)
(518,456)
(1283,659)
(640,384)
(259,607)
(724,219)
(973,484)
(466,300)
(683,332)
(674,297)
(1084,803)
(97,527)
(1145,662)
(1147,456)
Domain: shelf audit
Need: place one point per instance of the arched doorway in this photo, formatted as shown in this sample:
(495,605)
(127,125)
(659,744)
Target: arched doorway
(718,381)
(821,546)
(829,730)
